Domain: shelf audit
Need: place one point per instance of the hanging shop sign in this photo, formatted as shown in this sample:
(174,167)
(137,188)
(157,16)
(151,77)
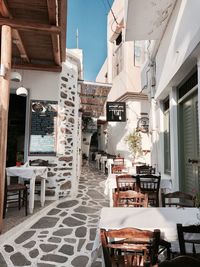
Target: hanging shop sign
(116,111)
(143,125)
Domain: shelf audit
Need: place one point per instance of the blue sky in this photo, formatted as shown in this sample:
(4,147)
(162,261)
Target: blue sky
(90,17)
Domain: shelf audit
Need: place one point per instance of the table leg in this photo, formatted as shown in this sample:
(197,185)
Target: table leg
(42,196)
(32,195)
(111,197)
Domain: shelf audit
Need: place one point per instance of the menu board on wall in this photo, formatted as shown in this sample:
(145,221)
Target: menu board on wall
(43,127)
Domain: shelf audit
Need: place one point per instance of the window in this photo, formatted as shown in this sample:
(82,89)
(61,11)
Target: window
(167,158)
(117,55)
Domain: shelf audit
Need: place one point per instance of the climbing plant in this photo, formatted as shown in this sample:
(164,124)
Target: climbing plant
(134,141)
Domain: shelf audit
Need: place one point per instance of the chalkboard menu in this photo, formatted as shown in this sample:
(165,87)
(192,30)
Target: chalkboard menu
(116,111)
(43,127)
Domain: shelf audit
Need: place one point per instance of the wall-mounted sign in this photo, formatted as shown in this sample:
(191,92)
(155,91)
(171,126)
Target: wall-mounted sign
(116,111)
(143,124)
(43,127)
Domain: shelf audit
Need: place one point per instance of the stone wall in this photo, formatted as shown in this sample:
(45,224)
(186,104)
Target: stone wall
(62,175)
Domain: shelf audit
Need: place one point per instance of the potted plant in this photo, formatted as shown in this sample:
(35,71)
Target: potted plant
(134,141)
(19,158)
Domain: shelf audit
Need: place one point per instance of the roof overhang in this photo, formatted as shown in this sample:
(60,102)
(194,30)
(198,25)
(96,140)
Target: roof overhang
(93,97)
(38,32)
(147,20)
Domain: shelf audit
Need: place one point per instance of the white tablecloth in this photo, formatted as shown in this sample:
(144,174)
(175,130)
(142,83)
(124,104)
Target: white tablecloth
(164,219)
(30,172)
(110,185)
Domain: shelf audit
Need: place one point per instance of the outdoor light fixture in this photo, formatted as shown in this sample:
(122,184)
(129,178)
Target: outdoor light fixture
(15,76)
(21,91)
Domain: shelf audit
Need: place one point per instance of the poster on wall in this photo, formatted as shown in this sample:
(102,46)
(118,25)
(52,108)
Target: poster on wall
(116,111)
(43,127)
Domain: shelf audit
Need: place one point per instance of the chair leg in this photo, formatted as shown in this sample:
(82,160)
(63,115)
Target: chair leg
(5,205)
(26,201)
(19,199)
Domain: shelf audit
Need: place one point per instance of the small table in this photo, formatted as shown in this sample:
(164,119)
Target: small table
(30,173)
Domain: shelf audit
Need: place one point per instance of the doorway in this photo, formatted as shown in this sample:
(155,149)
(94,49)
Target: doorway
(189,144)
(16,130)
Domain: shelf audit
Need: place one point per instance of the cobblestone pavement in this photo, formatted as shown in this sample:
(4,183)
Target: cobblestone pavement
(61,235)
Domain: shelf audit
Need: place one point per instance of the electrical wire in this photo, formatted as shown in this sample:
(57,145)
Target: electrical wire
(112,12)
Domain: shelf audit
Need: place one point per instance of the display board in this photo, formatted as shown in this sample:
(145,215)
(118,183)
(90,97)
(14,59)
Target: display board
(43,127)
(116,111)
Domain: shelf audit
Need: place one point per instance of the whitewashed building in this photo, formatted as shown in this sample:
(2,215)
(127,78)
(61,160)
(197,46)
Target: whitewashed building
(122,70)
(171,78)
(57,136)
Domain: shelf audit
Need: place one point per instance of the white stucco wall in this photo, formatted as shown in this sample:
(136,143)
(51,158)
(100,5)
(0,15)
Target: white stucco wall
(42,85)
(180,39)
(117,131)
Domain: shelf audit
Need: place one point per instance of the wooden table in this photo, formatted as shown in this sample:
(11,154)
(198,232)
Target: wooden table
(30,173)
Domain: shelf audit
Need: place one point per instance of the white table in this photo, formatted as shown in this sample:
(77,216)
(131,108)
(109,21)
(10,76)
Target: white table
(110,185)
(103,160)
(164,219)
(97,159)
(30,173)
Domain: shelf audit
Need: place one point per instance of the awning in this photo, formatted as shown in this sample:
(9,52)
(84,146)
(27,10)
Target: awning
(93,97)
(147,20)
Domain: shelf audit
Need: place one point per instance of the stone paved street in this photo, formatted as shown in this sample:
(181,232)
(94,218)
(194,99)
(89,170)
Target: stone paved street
(63,233)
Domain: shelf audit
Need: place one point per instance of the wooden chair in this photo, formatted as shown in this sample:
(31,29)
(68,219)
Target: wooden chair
(181,261)
(177,199)
(127,182)
(15,193)
(131,198)
(150,184)
(124,182)
(187,238)
(117,169)
(118,161)
(145,169)
(130,247)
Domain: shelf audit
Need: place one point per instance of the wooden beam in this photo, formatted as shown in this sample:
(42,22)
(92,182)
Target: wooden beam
(52,11)
(15,34)
(6,48)
(39,67)
(27,26)
(18,42)
(63,22)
